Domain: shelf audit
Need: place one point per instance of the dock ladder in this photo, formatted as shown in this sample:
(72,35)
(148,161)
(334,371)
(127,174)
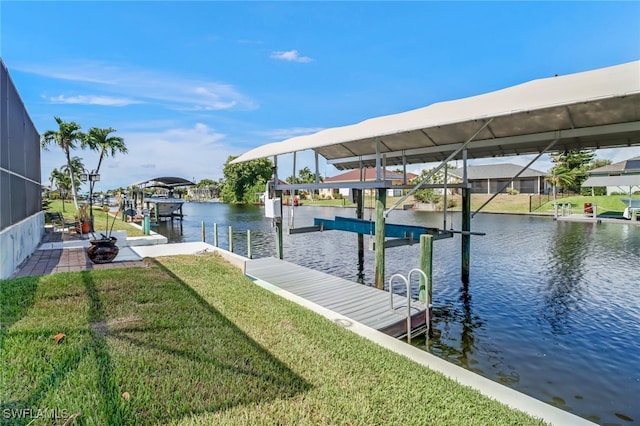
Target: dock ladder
(407,281)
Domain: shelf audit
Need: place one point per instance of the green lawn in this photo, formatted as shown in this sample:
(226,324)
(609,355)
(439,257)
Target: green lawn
(99,219)
(607,204)
(505,203)
(190,340)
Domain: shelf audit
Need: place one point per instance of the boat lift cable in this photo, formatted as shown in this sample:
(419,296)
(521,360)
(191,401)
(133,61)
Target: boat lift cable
(435,170)
(513,178)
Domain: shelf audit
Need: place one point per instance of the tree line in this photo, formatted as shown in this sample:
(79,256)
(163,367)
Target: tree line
(242,183)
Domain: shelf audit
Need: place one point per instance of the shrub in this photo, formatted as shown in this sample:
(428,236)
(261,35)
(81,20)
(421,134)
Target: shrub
(512,191)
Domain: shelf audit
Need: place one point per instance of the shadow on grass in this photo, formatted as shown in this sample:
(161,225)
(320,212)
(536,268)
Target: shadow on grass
(25,411)
(144,332)
(196,360)
(16,297)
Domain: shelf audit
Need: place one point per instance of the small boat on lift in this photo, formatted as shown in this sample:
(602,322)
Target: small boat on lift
(167,206)
(159,197)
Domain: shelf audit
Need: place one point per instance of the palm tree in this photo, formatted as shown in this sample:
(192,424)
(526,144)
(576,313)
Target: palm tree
(62,182)
(98,139)
(561,176)
(65,137)
(78,167)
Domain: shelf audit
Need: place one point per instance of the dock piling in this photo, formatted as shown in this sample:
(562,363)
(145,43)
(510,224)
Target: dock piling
(230,239)
(215,235)
(380,206)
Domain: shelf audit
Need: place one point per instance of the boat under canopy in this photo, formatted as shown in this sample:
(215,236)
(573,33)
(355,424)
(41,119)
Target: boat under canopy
(166,205)
(587,110)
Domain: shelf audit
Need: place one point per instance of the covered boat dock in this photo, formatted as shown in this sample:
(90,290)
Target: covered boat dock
(587,110)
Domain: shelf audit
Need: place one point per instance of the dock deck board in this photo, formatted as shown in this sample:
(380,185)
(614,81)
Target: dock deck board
(358,302)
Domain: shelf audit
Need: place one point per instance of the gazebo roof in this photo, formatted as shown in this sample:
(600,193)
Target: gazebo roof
(166,181)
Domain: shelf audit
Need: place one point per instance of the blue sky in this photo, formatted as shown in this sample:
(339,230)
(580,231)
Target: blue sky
(187,84)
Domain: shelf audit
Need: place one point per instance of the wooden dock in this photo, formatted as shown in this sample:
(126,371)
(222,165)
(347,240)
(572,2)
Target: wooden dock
(361,303)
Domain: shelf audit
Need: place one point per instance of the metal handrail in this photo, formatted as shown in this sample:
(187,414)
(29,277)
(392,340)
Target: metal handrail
(407,281)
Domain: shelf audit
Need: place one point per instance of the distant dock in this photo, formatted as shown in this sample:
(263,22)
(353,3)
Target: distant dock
(587,218)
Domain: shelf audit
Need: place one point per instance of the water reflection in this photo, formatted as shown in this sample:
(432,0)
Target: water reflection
(453,331)
(563,293)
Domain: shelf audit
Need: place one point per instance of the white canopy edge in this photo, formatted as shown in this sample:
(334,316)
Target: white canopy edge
(517,102)
(621,180)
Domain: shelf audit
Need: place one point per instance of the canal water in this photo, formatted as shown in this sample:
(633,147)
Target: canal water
(552,309)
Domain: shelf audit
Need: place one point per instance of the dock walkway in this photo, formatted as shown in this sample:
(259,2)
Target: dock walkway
(367,305)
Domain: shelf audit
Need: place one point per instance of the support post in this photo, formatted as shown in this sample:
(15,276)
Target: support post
(381,200)
(466,222)
(215,235)
(230,239)
(426,265)
(279,226)
(444,197)
(249,255)
(203,236)
(357,193)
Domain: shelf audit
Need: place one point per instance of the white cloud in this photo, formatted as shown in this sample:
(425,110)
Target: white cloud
(197,152)
(290,55)
(91,100)
(136,85)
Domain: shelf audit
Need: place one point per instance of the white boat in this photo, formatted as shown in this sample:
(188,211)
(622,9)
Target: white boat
(167,206)
(163,203)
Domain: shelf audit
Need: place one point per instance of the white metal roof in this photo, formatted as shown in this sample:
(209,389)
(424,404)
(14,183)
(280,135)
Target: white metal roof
(620,180)
(592,109)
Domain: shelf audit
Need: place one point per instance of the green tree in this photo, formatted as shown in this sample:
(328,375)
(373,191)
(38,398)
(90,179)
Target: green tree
(65,137)
(98,139)
(244,180)
(561,177)
(204,183)
(77,167)
(577,161)
(62,184)
(426,195)
(307,176)
(596,163)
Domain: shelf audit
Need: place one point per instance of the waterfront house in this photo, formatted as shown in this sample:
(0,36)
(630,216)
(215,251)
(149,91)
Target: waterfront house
(490,178)
(343,180)
(621,177)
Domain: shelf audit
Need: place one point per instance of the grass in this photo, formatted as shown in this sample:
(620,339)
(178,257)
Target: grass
(99,219)
(505,203)
(607,204)
(189,340)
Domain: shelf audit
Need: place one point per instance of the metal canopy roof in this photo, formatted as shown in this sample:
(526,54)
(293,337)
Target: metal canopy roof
(166,181)
(592,109)
(620,180)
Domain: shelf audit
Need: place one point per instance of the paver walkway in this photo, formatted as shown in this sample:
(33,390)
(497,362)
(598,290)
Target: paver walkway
(51,261)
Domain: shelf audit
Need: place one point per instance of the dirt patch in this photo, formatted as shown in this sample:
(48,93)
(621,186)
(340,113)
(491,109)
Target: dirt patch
(102,327)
